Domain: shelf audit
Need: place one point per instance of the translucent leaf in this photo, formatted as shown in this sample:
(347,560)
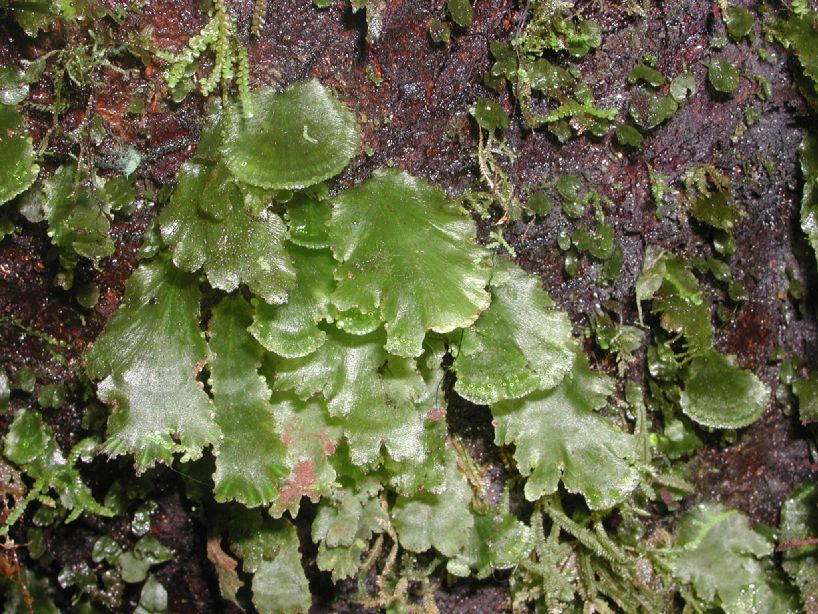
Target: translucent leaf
(307,219)
(409,253)
(798,35)
(518,345)
(355,322)
(497,541)
(207,226)
(806,389)
(133,570)
(738,21)
(443,520)
(396,424)
(540,203)
(29,445)
(809,200)
(243,412)
(270,554)
(642,72)
(371,392)
(489,115)
(148,358)
(723,76)
(799,522)
(37,15)
(683,86)
(649,109)
(291,330)
(654,269)
(572,194)
(311,437)
(344,370)
(677,298)
(718,553)
(439,30)
(17,167)
(344,526)
(460,11)
(687,316)
(553,81)
(147,552)
(629,136)
(295,138)
(558,436)
(256,200)
(352,513)
(721,395)
(153,599)
(424,468)
(76,220)
(717,209)
(708,192)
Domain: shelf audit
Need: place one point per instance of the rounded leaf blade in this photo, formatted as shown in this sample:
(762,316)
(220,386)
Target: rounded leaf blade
(295,138)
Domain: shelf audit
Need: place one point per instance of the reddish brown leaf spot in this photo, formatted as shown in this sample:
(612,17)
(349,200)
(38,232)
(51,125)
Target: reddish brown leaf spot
(436,414)
(329,444)
(299,484)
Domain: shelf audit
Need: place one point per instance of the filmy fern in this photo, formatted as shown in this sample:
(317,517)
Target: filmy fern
(335,367)
(352,384)
(330,321)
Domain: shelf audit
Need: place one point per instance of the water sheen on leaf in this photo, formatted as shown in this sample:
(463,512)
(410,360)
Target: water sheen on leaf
(17,168)
(718,553)
(241,398)
(424,468)
(442,520)
(207,226)
(270,554)
(291,330)
(148,358)
(295,138)
(518,345)
(721,395)
(809,200)
(409,253)
(373,393)
(344,526)
(398,425)
(799,523)
(29,444)
(497,541)
(558,436)
(307,219)
(344,370)
(75,220)
(723,76)
(311,437)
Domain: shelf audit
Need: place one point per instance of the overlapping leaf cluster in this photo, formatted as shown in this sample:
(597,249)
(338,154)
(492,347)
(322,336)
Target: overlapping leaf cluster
(327,383)
(294,343)
(716,393)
